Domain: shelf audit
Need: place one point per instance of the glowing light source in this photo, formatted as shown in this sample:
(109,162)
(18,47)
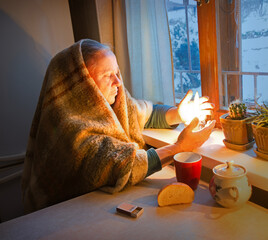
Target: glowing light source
(191,110)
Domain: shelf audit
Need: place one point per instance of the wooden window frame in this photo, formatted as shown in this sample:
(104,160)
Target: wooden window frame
(208,51)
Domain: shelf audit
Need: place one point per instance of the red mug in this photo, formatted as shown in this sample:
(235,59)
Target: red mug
(188,168)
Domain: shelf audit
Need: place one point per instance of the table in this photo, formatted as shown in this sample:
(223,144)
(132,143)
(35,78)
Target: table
(93,216)
(214,152)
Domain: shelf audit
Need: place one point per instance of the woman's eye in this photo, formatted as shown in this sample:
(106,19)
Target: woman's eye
(107,75)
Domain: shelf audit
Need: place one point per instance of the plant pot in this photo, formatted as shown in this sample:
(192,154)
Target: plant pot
(237,131)
(261,138)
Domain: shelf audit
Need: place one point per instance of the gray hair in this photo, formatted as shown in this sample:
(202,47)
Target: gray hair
(91,48)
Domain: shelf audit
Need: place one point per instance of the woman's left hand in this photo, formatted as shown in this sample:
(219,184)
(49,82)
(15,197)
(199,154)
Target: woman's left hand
(187,110)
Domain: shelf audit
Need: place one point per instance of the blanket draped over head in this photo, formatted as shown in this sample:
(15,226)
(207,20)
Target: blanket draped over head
(78,142)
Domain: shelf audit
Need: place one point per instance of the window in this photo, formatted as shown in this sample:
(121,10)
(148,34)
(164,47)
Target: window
(233,50)
(243,52)
(182,18)
(202,25)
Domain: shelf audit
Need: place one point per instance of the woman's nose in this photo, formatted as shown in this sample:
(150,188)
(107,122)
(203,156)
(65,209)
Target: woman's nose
(117,80)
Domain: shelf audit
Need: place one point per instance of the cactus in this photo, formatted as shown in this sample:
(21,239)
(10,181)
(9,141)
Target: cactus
(237,110)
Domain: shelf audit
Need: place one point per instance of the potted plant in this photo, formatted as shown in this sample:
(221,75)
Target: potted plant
(260,131)
(237,127)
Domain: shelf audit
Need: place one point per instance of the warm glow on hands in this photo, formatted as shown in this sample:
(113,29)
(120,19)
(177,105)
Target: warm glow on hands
(189,109)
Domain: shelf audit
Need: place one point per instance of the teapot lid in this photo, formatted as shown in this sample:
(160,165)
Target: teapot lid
(229,170)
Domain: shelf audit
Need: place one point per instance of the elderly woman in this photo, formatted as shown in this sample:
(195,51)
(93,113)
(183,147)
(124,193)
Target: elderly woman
(87,130)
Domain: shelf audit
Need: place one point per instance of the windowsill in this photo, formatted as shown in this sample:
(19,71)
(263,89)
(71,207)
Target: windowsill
(214,152)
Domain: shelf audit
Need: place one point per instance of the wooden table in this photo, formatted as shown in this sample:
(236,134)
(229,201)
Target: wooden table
(93,216)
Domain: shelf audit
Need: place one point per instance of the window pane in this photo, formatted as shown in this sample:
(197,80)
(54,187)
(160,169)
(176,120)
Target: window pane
(193,35)
(183,81)
(255,91)
(182,16)
(254,41)
(254,31)
(243,39)
(248,88)
(178,32)
(227,92)
(262,89)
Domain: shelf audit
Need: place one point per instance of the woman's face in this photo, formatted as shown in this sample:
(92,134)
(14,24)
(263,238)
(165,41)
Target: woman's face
(105,72)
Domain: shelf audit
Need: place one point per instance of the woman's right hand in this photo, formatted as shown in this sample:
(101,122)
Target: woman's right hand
(189,140)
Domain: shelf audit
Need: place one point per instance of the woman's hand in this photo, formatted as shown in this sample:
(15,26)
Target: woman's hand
(188,109)
(189,140)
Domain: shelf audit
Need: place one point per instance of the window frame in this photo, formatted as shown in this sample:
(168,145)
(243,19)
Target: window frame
(208,52)
(210,61)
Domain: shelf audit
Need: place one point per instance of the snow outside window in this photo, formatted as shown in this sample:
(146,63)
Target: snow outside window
(243,40)
(183,25)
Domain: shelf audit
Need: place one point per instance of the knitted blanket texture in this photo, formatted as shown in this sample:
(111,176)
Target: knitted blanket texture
(78,142)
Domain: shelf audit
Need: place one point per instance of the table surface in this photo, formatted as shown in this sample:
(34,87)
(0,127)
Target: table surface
(93,216)
(214,152)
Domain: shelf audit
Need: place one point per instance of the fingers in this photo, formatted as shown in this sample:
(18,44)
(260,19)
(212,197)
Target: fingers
(203,99)
(206,130)
(206,106)
(206,112)
(208,122)
(204,133)
(209,126)
(193,124)
(187,97)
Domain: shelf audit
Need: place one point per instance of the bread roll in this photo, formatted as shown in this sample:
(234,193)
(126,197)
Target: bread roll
(175,193)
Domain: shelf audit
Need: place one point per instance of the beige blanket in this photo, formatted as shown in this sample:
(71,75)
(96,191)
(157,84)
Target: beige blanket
(78,142)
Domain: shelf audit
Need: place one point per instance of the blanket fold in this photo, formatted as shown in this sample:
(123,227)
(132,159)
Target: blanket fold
(78,142)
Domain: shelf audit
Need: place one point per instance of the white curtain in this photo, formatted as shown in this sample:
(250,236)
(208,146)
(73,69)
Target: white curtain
(150,51)
(141,41)
(113,31)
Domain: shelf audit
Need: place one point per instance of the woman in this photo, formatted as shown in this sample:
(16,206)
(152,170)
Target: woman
(87,130)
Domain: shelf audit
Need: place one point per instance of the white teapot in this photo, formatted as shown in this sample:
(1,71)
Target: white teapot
(229,185)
